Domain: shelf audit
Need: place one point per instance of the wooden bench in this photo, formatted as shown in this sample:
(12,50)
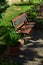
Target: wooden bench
(22,24)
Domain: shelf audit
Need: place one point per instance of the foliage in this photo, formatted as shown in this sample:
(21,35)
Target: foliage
(29,2)
(8,62)
(32,16)
(3,2)
(13,35)
(12,38)
(3,6)
(33,13)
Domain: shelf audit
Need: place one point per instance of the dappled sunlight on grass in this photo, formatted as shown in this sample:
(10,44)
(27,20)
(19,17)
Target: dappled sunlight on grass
(11,13)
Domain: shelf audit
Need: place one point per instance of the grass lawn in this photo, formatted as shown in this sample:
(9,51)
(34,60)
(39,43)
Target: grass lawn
(11,13)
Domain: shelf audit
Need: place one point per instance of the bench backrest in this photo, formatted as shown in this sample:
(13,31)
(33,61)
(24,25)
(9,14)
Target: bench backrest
(19,21)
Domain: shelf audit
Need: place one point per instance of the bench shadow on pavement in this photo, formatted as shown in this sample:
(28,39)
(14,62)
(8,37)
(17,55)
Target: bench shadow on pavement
(41,63)
(29,53)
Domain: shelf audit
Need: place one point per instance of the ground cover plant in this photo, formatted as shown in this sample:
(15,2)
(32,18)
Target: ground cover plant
(12,38)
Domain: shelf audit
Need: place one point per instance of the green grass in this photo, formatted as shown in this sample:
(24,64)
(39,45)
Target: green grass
(11,13)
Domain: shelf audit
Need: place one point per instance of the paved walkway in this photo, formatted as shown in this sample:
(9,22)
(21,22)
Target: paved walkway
(32,51)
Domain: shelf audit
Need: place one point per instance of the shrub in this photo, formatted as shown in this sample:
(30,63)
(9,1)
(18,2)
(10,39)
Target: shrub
(33,13)
(12,38)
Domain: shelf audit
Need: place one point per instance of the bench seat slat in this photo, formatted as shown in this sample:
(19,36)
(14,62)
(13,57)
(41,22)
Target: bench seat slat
(27,31)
